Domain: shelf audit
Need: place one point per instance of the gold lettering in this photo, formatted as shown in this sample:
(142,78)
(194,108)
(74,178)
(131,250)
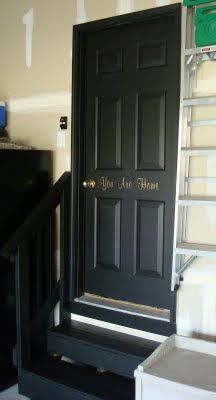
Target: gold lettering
(106,183)
(143,184)
(124,184)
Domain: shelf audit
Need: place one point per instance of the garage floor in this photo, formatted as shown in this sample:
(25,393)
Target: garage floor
(12,394)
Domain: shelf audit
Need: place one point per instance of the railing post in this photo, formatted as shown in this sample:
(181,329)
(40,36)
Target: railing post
(65,216)
(49,258)
(39,270)
(22,306)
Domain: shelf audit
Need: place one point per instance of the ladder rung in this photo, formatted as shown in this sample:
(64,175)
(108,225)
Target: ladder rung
(200,50)
(196,249)
(201,179)
(197,101)
(198,151)
(197,201)
(202,122)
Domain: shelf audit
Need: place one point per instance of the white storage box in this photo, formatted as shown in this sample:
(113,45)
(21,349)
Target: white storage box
(180,368)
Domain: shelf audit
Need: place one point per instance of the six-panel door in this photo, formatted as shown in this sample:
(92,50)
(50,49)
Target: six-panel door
(132,97)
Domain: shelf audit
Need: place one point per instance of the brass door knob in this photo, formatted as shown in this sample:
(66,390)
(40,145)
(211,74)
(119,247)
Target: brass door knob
(89,184)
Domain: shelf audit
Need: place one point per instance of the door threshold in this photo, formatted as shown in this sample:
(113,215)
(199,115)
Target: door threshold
(124,306)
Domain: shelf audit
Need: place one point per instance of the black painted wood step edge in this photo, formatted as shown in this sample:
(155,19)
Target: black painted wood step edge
(165,328)
(52,379)
(113,351)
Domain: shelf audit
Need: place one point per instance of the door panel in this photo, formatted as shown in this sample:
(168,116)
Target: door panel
(108,219)
(131,125)
(151,54)
(149,238)
(108,60)
(150,117)
(108,124)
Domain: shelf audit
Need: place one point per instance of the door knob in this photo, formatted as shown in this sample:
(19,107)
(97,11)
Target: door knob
(89,184)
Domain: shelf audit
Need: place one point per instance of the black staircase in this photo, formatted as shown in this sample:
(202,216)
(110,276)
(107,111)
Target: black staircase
(113,351)
(103,360)
(24,180)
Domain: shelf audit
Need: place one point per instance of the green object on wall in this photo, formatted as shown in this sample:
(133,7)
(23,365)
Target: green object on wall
(195,2)
(205,22)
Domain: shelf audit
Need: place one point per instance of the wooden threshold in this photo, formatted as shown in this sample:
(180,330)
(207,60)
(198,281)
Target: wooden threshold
(124,306)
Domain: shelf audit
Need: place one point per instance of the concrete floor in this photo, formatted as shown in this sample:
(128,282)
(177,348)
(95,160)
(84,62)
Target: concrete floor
(12,394)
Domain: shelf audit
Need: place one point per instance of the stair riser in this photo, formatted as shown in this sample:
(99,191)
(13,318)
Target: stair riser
(116,362)
(39,388)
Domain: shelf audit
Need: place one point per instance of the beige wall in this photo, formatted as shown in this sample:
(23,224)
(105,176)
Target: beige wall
(38,95)
(37,88)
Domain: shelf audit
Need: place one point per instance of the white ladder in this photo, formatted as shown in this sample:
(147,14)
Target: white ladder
(185,253)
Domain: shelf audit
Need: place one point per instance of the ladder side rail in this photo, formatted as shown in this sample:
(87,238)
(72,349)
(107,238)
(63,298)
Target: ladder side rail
(178,174)
(188,92)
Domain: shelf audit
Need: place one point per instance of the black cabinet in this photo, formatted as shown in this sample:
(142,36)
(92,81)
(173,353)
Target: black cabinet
(25,177)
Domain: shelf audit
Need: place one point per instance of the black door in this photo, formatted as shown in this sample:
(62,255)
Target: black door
(131,124)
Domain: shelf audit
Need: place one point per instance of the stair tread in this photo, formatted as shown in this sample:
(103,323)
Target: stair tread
(194,248)
(204,148)
(203,100)
(201,179)
(197,199)
(106,338)
(200,50)
(202,122)
(198,151)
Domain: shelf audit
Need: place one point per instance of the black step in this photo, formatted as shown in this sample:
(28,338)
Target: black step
(52,379)
(113,351)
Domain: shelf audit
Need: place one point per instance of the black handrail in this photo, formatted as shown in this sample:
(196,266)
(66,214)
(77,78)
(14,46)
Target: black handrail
(33,247)
(36,219)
